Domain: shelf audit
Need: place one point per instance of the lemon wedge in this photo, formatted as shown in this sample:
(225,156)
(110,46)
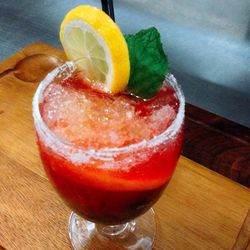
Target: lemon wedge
(92,39)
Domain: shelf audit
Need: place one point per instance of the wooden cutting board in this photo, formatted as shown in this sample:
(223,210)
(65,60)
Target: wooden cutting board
(200,209)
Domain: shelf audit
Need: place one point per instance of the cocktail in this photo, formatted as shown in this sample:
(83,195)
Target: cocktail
(109,156)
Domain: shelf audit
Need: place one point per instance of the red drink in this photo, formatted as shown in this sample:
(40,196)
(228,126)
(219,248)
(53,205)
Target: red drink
(109,157)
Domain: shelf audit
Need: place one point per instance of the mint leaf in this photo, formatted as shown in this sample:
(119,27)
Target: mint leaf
(148,63)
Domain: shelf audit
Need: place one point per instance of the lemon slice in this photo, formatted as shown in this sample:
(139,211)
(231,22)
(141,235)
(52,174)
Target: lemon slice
(91,39)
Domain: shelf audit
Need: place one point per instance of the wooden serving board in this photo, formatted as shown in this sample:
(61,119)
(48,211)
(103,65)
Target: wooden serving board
(200,209)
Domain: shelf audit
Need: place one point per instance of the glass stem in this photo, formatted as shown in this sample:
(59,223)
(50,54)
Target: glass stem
(116,230)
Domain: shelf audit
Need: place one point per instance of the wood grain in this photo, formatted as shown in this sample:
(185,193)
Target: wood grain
(243,239)
(200,209)
(217,143)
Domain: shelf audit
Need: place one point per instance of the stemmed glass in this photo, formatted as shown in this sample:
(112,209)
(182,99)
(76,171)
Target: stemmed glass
(110,190)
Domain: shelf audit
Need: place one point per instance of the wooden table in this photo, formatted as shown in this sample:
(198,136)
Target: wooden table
(200,209)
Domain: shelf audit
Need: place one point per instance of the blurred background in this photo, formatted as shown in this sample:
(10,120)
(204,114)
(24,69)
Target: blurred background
(207,42)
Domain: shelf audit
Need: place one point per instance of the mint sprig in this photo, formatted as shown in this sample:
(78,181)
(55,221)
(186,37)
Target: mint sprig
(148,63)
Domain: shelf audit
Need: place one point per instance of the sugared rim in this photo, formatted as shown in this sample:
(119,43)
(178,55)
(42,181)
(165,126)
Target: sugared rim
(55,142)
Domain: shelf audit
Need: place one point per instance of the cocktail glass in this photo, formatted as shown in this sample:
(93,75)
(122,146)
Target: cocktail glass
(110,190)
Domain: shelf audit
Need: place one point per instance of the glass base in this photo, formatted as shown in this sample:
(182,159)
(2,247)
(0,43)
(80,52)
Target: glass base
(137,234)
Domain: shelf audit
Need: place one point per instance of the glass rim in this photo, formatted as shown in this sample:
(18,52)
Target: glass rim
(46,132)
